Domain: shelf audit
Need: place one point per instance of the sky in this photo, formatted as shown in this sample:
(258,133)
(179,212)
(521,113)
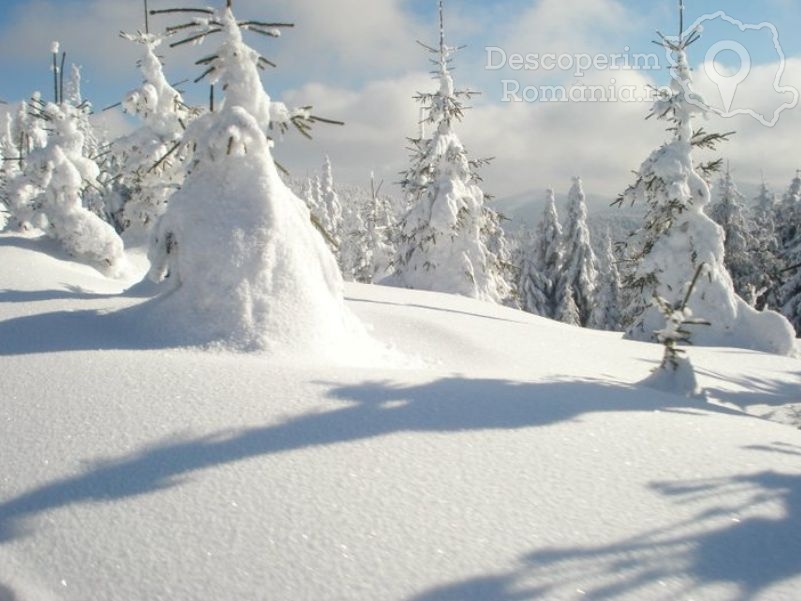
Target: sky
(359,62)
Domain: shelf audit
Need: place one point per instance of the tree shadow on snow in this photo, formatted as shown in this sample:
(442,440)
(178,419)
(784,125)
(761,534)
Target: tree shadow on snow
(432,308)
(757,391)
(372,410)
(713,548)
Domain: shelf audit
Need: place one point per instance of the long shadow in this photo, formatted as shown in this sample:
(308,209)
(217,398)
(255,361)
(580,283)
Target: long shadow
(758,391)
(375,409)
(32,296)
(750,555)
(431,308)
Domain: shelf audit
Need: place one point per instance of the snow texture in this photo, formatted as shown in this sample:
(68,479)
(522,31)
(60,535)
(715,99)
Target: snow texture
(520,462)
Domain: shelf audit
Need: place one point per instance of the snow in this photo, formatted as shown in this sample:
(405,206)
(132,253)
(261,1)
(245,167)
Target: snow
(243,266)
(519,459)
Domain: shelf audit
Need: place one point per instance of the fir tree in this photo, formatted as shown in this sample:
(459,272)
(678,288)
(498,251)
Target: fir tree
(677,236)
(445,235)
(581,265)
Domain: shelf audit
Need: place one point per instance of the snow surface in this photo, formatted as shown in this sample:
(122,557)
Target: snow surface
(518,460)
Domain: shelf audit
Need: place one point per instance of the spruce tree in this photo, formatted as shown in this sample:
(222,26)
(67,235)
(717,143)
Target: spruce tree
(330,204)
(729,213)
(677,236)
(244,264)
(789,214)
(444,236)
(607,315)
(790,292)
(146,178)
(768,260)
(581,265)
(49,191)
(542,264)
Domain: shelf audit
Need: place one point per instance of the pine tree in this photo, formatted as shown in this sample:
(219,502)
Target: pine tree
(677,236)
(729,213)
(607,315)
(244,263)
(444,236)
(581,265)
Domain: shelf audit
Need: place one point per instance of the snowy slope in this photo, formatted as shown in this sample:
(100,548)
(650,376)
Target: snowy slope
(505,458)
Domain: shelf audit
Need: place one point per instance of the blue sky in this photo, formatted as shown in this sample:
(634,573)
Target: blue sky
(358,61)
(477,23)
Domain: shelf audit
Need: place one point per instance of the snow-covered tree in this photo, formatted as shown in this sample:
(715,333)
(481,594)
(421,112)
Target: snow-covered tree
(443,243)
(9,169)
(676,373)
(48,193)
(580,263)
(768,261)
(148,172)
(789,214)
(330,200)
(607,315)
(567,309)
(245,264)
(541,264)
(729,213)
(378,221)
(677,236)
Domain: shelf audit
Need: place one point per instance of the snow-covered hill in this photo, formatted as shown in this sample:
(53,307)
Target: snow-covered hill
(502,457)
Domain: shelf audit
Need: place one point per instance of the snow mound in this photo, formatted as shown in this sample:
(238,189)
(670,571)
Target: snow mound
(247,268)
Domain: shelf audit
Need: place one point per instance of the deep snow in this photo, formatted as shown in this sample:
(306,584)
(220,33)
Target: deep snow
(518,460)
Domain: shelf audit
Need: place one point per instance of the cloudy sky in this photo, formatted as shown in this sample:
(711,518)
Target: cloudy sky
(358,61)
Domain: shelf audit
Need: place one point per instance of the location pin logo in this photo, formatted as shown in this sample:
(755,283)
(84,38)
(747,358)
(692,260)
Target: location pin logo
(728,84)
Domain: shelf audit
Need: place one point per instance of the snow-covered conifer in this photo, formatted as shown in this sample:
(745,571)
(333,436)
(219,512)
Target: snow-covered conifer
(443,243)
(580,263)
(789,214)
(676,373)
(148,172)
(677,236)
(9,153)
(330,204)
(541,267)
(48,193)
(567,309)
(246,266)
(729,213)
(607,315)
